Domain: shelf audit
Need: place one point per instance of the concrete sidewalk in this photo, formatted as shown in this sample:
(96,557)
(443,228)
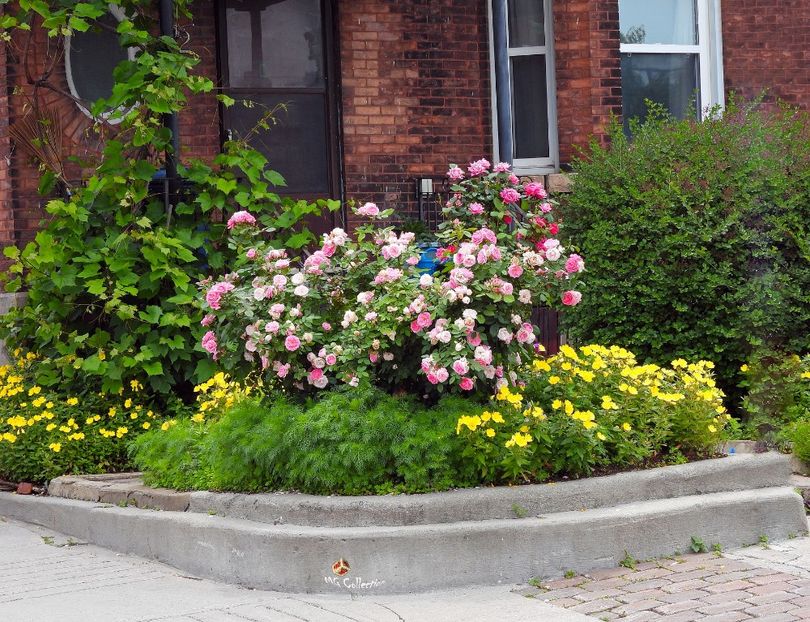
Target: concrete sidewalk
(47,577)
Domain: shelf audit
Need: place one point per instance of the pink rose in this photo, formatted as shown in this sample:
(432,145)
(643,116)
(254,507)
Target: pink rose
(476,209)
(282,370)
(545,208)
(373,356)
(415,327)
(315,374)
(369,209)
(507,289)
(208,319)
(331,359)
(455,173)
(571,298)
(479,167)
(412,260)
(432,378)
(460,366)
(442,374)
(251,253)
(574,263)
(515,271)
(513,179)
(510,195)
(424,320)
(466,384)
(214,295)
(241,218)
(292,343)
(535,190)
(209,344)
(501,167)
(326,326)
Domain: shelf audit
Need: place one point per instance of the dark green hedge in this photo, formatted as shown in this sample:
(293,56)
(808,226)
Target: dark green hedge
(695,236)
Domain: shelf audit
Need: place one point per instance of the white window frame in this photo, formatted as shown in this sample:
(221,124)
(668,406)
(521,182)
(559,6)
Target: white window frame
(528,166)
(709,51)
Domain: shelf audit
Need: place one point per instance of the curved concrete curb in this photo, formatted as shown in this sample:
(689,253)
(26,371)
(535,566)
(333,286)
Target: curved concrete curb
(424,542)
(744,472)
(422,557)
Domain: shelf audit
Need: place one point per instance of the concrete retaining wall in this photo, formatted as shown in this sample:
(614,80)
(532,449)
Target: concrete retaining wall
(648,517)
(424,557)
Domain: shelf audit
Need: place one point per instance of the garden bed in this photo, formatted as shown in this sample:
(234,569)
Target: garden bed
(422,542)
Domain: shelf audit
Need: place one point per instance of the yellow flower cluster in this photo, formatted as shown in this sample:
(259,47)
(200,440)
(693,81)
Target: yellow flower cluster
(65,421)
(218,394)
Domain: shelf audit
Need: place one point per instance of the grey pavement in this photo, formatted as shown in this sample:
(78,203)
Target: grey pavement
(48,577)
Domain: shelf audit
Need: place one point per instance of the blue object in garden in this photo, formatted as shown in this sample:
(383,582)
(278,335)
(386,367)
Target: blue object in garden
(428,262)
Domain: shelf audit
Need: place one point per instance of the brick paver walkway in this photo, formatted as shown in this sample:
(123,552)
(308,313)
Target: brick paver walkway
(755,583)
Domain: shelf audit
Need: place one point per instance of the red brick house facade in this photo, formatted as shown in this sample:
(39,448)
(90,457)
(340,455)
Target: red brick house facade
(387,92)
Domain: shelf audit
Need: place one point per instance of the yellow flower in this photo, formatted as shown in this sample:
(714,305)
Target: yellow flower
(490,432)
(471,423)
(553,379)
(569,408)
(588,425)
(55,447)
(743,368)
(568,351)
(37,402)
(626,427)
(556,404)
(133,416)
(50,427)
(587,376)
(72,401)
(567,366)
(521,440)
(9,437)
(541,365)
(120,432)
(112,411)
(199,418)
(128,403)
(135,385)
(608,403)
(806,375)
(601,436)
(166,425)
(712,429)
(497,417)
(486,416)
(146,425)
(34,391)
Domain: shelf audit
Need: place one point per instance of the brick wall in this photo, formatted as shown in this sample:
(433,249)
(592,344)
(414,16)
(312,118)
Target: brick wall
(415,84)
(765,46)
(586,42)
(6,200)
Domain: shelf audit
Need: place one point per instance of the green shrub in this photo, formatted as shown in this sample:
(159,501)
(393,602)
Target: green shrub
(777,394)
(800,435)
(697,237)
(111,276)
(352,441)
(46,432)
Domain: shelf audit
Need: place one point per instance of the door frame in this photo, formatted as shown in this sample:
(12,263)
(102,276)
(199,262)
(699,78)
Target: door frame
(334,135)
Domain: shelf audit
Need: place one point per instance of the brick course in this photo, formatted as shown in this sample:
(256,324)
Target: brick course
(415,89)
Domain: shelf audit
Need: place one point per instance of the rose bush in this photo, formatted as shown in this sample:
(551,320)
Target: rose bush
(358,309)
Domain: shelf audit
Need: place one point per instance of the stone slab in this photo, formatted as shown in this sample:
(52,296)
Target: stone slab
(385,559)
(742,472)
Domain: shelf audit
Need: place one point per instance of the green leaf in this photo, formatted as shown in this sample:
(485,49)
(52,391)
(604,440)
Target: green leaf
(153,368)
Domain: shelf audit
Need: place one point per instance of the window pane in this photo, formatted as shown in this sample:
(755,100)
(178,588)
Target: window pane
(296,145)
(658,21)
(275,44)
(526,23)
(530,106)
(668,79)
(94,55)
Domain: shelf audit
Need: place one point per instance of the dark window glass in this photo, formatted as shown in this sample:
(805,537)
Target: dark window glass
(94,55)
(296,145)
(275,44)
(526,23)
(658,21)
(530,107)
(668,79)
